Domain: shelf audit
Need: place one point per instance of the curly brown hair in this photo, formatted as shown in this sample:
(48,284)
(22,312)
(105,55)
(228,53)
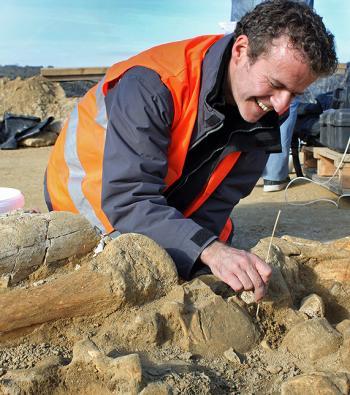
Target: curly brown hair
(305,29)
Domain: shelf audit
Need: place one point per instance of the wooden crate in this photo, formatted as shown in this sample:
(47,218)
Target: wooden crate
(309,162)
(328,161)
(320,164)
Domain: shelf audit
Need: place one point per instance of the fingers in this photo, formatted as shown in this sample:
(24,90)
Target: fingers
(260,273)
(239,269)
(259,284)
(245,279)
(264,269)
(228,277)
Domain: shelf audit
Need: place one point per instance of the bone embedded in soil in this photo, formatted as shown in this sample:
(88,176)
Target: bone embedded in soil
(77,319)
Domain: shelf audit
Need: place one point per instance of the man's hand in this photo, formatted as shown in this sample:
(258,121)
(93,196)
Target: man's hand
(240,269)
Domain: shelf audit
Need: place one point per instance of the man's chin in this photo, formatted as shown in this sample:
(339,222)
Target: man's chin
(251,115)
(252,118)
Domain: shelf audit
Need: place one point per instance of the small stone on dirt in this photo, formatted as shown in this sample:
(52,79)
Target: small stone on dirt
(313,306)
(231,356)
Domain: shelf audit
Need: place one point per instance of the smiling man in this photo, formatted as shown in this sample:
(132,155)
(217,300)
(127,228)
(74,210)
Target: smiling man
(171,139)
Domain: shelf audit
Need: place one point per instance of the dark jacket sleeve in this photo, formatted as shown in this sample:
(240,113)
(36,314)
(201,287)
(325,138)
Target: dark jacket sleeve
(140,112)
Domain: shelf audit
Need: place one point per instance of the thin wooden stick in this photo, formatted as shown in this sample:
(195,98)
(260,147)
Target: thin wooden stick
(273,234)
(268,251)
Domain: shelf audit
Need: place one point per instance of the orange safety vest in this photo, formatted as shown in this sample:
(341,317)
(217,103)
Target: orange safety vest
(74,173)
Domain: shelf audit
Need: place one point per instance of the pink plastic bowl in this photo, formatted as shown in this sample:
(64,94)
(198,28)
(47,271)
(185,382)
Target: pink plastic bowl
(10,199)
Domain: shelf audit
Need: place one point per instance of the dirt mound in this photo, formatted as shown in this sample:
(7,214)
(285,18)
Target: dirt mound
(34,96)
(117,320)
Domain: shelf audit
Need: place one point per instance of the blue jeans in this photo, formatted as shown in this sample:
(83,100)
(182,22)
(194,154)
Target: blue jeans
(277,165)
(241,7)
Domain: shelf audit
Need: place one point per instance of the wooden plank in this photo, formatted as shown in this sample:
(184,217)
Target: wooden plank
(325,167)
(324,152)
(96,73)
(74,74)
(344,175)
(308,157)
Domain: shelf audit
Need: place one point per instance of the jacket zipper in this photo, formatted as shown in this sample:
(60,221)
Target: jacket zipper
(207,134)
(212,154)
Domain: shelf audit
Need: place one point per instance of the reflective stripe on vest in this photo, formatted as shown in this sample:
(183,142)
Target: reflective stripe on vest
(76,170)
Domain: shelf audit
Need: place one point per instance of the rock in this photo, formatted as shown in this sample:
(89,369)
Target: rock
(41,139)
(273,369)
(85,351)
(284,247)
(5,281)
(144,331)
(231,356)
(39,380)
(294,317)
(148,272)
(345,354)
(343,243)
(313,306)
(156,389)
(334,270)
(344,328)
(312,339)
(123,374)
(278,292)
(247,297)
(204,323)
(319,383)
(265,345)
(285,275)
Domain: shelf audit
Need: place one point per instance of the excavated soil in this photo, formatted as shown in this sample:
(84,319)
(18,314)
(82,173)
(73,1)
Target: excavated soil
(155,334)
(34,96)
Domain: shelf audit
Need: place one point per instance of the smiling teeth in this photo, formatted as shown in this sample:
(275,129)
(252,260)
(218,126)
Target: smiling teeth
(262,106)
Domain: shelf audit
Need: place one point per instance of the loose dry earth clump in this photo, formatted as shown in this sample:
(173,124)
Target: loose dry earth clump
(39,97)
(119,321)
(34,96)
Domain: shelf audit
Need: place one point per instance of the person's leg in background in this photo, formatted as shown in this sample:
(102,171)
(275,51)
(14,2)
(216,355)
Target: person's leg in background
(276,171)
(241,7)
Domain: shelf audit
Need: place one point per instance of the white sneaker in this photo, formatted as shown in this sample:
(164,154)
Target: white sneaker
(274,186)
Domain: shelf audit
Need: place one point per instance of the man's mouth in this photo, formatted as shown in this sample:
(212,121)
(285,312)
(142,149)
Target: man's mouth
(262,105)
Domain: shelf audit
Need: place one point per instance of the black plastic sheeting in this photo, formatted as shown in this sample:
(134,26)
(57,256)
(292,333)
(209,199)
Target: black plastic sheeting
(15,128)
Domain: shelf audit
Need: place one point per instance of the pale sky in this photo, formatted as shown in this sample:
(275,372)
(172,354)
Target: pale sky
(72,33)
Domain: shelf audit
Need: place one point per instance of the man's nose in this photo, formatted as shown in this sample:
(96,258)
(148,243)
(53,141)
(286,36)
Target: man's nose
(281,101)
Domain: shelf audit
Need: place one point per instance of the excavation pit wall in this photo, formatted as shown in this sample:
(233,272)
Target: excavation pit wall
(120,321)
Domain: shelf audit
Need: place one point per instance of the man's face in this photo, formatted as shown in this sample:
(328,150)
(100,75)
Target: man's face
(270,83)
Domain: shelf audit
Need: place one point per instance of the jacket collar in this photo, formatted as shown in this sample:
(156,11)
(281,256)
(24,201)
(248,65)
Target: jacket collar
(211,98)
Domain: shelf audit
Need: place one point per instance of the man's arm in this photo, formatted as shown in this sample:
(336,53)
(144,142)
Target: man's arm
(135,164)
(140,114)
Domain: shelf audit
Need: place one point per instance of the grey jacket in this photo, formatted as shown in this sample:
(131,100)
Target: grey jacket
(140,112)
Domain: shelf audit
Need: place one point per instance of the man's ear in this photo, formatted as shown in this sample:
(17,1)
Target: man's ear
(240,48)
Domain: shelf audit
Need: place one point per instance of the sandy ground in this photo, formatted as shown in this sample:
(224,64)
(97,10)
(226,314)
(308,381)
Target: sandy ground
(254,217)
(44,352)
